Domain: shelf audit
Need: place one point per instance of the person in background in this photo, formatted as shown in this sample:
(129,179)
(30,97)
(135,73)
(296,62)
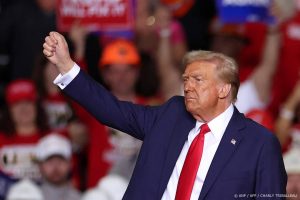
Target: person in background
(162,39)
(24,123)
(97,167)
(25,189)
(93,165)
(231,40)
(287,129)
(120,64)
(161,42)
(287,124)
(288,71)
(54,156)
(195,18)
(170,50)
(57,107)
(62,117)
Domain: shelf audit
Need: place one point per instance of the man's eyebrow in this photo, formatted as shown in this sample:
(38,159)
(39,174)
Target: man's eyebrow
(196,75)
(193,75)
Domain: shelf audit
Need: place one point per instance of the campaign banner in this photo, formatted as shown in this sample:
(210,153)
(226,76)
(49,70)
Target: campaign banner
(96,15)
(241,11)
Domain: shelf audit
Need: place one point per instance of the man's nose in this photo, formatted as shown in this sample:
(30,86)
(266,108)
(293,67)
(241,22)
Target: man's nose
(187,85)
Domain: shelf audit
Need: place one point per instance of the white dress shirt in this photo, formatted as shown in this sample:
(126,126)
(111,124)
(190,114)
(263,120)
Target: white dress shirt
(211,142)
(63,80)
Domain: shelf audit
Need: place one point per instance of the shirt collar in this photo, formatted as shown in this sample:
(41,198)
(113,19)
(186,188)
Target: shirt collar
(218,125)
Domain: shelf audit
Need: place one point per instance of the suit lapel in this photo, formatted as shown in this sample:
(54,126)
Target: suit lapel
(179,136)
(229,143)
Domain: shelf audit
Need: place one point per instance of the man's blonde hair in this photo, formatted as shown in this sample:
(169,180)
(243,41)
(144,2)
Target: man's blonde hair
(226,67)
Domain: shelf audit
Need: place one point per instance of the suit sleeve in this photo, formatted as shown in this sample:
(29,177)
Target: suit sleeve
(130,118)
(271,176)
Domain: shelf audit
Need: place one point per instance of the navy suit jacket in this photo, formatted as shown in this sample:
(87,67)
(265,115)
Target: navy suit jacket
(252,167)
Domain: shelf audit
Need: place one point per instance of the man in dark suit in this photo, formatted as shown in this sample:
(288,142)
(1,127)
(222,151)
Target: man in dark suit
(231,158)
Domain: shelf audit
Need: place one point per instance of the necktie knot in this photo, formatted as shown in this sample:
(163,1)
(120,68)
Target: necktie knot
(204,129)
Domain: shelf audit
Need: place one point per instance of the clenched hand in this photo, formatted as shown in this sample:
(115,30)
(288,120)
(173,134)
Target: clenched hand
(57,51)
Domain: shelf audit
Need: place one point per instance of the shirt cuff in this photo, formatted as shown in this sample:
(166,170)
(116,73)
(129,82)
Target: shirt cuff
(63,81)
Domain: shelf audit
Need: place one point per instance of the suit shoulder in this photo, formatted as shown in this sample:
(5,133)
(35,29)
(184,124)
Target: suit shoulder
(174,105)
(177,101)
(257,130)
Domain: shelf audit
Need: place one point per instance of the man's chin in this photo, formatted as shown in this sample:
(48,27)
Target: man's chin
(189,106)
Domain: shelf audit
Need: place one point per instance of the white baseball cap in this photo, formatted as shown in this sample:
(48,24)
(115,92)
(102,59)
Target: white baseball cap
(113,185)
(24,190)
(53,144)
(110,187)
(292,161)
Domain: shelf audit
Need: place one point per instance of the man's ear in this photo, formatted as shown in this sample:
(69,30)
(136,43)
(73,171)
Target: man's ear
(224,90)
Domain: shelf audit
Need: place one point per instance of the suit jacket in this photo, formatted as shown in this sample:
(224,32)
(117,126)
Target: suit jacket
(252,166)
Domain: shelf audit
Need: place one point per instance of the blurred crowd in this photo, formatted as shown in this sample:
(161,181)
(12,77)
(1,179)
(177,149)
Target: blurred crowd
(51,148)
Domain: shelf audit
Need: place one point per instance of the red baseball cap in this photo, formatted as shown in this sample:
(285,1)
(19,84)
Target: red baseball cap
(19,90)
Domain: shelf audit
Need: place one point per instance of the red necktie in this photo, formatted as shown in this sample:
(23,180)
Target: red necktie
(191,165)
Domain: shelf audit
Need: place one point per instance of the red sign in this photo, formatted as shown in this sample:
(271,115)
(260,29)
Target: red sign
(96,15)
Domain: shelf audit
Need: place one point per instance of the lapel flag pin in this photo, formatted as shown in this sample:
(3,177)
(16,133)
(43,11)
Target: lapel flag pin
(233,141)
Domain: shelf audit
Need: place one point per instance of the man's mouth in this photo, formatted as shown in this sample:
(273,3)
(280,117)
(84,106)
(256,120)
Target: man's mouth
(189,98)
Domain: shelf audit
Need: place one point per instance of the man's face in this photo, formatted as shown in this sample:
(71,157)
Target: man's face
(55,170)
(121,78)
(23,112)
(201,87)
